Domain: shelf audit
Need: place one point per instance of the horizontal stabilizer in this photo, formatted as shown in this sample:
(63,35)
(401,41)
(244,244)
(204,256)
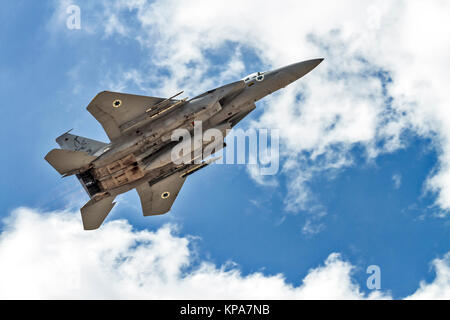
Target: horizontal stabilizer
(94,212)
(68,161)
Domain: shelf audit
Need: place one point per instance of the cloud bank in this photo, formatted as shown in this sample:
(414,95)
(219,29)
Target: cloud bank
(49,256)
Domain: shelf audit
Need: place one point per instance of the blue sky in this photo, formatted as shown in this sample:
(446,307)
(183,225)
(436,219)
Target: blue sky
(354,207)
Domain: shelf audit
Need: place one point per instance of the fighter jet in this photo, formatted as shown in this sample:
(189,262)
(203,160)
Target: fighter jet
(140,128)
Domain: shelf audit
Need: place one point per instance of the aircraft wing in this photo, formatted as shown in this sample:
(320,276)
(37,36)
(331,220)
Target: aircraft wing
(158,198)
(114,109)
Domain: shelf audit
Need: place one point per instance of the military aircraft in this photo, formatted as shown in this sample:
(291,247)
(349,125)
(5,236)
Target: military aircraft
(140,129)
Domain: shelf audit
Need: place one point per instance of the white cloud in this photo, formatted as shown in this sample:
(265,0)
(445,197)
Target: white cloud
(310,228)
(440,287)
(48,256)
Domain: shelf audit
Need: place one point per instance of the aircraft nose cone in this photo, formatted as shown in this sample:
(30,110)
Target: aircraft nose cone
(298,70)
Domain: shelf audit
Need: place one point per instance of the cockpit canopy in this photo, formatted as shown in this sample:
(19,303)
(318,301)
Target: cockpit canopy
(259,76)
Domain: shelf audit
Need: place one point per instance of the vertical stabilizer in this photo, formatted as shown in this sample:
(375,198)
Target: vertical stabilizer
(67,162)
(69,141)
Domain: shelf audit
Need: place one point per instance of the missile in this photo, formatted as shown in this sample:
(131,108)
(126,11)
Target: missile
(199,167)
(153,112)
